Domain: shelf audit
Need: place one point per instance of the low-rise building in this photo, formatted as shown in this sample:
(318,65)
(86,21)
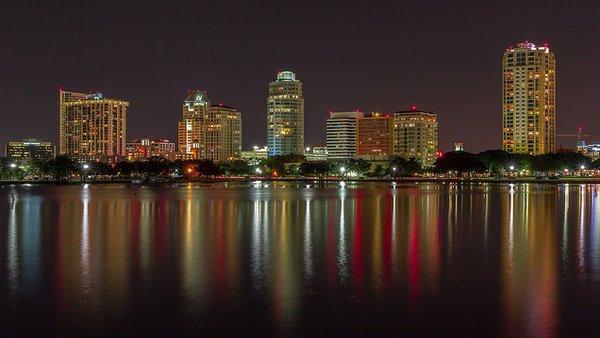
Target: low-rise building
(255,155)
(144,148)
(30,149)
(316,153)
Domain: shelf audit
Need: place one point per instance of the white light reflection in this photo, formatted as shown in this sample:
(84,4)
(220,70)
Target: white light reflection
(565,228)
(341,259)
(395,230)
(257,266)
(85,239)
(581,239)
(308,261)
(595,237)
(511,223)
(12,254)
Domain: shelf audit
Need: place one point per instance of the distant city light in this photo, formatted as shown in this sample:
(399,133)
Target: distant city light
(86,166)
(12,165)
(343,169)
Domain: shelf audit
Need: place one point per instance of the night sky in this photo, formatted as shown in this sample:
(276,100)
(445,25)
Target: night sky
(443,56)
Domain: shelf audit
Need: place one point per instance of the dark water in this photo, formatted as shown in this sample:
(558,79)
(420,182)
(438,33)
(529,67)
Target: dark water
(273,259)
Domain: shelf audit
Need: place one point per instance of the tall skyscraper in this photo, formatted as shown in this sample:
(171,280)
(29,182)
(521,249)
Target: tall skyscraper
(285,115)
(528,99)
(190,129)
(341,135)
(92,126)
(223,133)
(209,131)
(415,135)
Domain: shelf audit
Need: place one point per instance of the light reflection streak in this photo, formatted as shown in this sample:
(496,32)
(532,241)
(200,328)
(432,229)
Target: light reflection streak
(85,240)
(565,227)
(394,231)
(256,245)
(342,260)
(595,237)
(511,224)
(12,250)
(581,231)
(308,264)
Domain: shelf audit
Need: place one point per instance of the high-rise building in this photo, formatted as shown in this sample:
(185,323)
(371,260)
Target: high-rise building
(415,135)
(223,133)
(341,135)
(30,149)
(209,131)
(190,130)
(145,148)
(528,99)
(285,115)
(92,126)
(373,136)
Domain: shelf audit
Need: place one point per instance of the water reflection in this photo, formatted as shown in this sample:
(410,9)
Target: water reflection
(280,258)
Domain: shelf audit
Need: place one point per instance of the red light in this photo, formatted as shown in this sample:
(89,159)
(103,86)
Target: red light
(440,154)
(413,107)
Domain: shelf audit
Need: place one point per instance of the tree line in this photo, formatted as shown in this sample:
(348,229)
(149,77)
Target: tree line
(489,162)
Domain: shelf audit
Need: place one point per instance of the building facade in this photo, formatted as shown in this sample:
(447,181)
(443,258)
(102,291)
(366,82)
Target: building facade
(223,134)
(415,135)
(190,129)
(373,136)
(285,115)
(30,150)
(459,146)
(316,153)
(145,148)
(528,100)
(341,135)
(254,156)
(92,126)
(208,131)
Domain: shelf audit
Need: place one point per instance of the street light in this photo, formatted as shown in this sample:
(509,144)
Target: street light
(582,167)
(258,171)
(85,167)
(512,167)
(13,165)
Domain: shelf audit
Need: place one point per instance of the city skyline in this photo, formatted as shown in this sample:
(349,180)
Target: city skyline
(461,80)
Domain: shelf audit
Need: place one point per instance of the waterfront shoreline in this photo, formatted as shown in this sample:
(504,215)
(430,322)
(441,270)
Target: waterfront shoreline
(577,180)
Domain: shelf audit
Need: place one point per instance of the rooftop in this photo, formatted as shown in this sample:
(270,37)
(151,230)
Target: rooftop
(196,96)
(286,75)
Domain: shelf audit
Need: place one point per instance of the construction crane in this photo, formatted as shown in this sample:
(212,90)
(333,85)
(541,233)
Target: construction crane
(580,136)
